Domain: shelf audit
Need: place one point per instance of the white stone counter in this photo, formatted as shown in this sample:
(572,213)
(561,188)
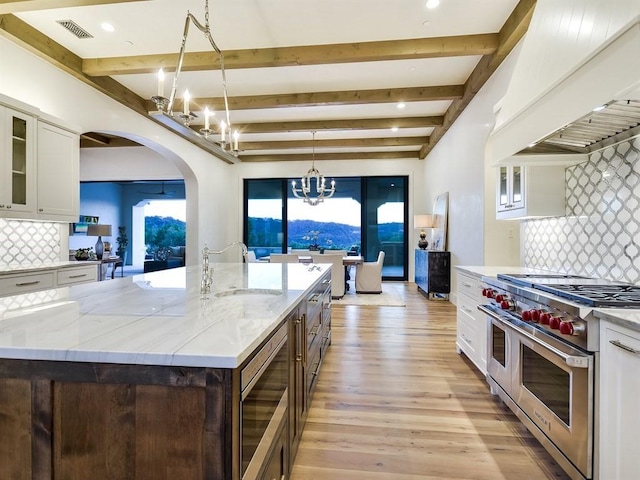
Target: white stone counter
(629,318)
(12,269)
(158,318)
(493,271)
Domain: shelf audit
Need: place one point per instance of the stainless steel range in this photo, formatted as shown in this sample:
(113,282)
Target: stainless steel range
(543,343)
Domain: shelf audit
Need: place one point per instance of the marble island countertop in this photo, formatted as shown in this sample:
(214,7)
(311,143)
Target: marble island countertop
(13,268)
(158,318)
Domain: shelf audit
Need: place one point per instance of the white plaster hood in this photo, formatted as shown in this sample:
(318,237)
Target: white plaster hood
(576,55)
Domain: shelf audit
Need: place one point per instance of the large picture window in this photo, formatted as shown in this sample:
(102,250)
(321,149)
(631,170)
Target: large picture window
(366,215)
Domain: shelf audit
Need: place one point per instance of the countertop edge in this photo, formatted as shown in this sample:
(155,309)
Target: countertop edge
(624,318)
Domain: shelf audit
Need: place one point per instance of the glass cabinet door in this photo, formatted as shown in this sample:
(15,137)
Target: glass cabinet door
(516,182)
(19,131)
(503,187)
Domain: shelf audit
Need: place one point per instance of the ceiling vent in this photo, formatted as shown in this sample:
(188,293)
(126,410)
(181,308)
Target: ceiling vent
(74,28)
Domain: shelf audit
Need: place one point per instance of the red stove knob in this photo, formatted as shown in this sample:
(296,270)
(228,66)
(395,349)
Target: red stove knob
(535,315)
(566,328)
(499,298)
(527,315)
(484,292)
(489,293)
(507,304)
(544,318)
(554,322)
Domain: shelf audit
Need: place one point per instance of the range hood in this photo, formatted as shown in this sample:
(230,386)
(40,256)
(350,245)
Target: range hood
(575,87)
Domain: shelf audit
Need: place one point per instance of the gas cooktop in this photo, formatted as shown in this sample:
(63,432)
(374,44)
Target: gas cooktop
(593,292)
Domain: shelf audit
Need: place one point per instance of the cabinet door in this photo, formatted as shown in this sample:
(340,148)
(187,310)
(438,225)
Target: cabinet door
(503,197)
(17,164)
(58,178)
(517,187)
(619,393)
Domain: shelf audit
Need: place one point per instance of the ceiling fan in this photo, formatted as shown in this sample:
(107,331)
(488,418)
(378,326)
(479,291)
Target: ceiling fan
(162,192)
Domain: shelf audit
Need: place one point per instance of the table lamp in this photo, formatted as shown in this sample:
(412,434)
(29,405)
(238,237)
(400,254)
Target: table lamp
(422,222)
(97,230)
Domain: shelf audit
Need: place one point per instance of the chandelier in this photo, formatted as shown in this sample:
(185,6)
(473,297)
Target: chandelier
(313,176)
(227,140)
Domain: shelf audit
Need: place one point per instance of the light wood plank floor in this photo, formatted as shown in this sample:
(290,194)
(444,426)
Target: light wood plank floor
(394,401)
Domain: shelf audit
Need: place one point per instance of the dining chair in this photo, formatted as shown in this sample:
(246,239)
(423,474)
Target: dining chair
(283,258)
(369,276)
(250,257)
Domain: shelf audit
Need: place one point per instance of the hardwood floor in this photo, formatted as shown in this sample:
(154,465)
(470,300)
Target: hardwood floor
(394,401)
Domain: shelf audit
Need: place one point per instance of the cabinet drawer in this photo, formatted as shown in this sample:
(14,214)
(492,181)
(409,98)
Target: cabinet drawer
(72,276)
(467,334)
(469,285)
(16,284)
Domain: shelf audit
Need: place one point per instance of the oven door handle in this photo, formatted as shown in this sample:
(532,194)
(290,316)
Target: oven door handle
(574,361)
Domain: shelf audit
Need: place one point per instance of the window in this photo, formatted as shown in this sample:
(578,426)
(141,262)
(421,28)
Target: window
(366,215)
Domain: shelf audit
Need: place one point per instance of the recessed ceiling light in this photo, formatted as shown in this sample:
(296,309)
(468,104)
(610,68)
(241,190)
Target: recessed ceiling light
(107,27)
(401,105)
(394,129)
(432,3)
(129,42)
(601,107)
(426,23)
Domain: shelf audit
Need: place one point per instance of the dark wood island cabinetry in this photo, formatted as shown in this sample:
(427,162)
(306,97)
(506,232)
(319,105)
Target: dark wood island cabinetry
(78,420)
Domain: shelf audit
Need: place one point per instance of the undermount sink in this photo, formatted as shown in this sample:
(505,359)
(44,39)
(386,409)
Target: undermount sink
(247,291)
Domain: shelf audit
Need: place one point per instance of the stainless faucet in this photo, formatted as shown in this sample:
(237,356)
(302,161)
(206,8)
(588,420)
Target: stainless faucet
(207,272)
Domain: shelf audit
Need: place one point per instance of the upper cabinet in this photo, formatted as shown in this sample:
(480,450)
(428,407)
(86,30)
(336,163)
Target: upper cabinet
(58,177)
(39,166)
(525,191)
(17,163)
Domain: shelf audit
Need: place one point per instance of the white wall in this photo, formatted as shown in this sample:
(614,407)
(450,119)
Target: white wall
(457,165)
(139,163)
(208,180)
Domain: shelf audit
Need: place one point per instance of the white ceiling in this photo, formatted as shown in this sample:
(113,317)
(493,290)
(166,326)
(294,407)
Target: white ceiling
(155,27)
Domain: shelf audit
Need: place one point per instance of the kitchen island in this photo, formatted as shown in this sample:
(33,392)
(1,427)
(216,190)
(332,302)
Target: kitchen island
(140,377)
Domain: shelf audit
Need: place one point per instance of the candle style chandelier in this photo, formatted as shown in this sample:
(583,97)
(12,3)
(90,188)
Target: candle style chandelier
(186,116)
(313,176)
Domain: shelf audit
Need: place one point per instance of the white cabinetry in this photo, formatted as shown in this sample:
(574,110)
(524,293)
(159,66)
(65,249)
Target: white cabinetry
(471,329)
(530,191)
(15,284)
(17,163)
(39,165)
(58,177)
(619,393)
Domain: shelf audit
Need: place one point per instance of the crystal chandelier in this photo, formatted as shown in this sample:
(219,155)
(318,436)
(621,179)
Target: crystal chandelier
(313,176)
(227,140)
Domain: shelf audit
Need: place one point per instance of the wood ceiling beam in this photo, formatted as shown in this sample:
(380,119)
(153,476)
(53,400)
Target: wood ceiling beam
(339,143)
(510,34)
(289,157)
(15,6)
(352,97)
(454,46)
(348,124)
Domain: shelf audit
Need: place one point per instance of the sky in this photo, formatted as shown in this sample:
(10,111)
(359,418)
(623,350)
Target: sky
(167,208)
(339,210)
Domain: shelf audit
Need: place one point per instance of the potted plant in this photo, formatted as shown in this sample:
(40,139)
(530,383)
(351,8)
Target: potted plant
(123,242)
(84,254)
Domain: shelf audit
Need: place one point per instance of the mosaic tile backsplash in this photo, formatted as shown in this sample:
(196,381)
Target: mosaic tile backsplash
(600,236)
(26,243)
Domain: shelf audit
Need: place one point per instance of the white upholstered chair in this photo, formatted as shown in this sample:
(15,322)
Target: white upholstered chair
(369,276)
(250,257)
(283,258)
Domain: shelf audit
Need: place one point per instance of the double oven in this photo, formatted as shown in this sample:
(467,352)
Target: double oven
(542,362)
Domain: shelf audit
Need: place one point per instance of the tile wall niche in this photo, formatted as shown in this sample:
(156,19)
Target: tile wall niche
(600,236)
(28,243)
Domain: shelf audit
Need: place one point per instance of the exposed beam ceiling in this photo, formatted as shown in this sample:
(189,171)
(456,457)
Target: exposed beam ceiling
(421,132)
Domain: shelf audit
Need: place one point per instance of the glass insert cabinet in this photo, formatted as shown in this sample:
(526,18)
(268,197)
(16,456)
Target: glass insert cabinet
(17,161)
